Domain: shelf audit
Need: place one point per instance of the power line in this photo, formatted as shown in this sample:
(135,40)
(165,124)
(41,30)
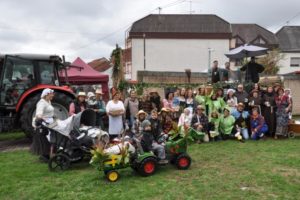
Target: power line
(122,28)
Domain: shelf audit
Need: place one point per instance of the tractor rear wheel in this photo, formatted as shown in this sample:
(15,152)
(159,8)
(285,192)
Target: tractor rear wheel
(147,166)
(60,103)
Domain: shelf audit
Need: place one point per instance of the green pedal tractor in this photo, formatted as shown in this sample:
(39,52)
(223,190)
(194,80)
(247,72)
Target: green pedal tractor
(130,154)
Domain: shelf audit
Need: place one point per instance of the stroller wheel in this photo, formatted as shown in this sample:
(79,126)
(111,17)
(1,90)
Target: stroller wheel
(291,134)
(59,162)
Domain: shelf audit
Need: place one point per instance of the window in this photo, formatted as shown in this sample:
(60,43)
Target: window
(295,62)
(18,77)
(47,73)
(260,41)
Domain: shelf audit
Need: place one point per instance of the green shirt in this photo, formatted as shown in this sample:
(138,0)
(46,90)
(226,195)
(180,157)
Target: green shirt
(226,124)
(216,122)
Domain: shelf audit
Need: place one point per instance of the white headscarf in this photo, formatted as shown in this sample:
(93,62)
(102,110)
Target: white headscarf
(46,92)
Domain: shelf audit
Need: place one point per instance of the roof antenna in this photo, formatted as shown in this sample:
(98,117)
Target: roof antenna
(191,4)
(159,10)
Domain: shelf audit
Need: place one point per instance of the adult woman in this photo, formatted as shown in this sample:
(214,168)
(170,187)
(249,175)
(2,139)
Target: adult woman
(78,105)
(226,125)
(115,110)
(258,125)
(283,108)
(230,99)
(132,107)
(145,103)
(215,104)
(155,100)
(168,101)
(255,100)
(200,98)
(190,102)
(257,88)
(44,111)
(182,100)
(269,110)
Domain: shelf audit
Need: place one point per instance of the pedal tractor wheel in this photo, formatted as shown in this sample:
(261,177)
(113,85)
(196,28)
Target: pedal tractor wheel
(291,134)
(112,175)
(147,166)
(59,162)
(183,161)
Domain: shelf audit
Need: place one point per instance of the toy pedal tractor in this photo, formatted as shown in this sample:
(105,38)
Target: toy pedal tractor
(144,163)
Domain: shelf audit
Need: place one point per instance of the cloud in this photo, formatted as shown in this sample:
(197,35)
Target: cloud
(91,29)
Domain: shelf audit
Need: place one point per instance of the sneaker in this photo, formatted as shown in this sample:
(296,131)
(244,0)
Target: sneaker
(163,162)
(262,135)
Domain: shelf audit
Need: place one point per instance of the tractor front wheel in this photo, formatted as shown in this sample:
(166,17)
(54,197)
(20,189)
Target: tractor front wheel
(183,161)
(147,166)
(112,175)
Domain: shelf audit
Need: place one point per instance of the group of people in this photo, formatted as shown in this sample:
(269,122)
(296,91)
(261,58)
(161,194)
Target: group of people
(218,113)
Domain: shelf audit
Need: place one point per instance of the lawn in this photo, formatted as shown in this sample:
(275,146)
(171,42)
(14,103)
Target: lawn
(222,170)
(11,136)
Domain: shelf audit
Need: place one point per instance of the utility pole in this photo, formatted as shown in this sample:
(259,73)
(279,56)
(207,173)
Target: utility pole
(144,37)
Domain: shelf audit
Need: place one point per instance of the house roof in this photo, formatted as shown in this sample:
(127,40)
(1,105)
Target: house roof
(181,25)
(289,38)
(101,64)
(250,32)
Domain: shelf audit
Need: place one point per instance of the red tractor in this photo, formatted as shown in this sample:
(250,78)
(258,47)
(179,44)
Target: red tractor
(23,77)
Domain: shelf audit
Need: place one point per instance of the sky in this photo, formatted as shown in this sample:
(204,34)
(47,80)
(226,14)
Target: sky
(90,29)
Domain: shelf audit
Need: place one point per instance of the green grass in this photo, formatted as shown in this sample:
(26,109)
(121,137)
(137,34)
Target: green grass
(222,170)
(12,136)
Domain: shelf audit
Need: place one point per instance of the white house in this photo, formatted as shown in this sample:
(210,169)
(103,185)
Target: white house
(289,43)
(174,43)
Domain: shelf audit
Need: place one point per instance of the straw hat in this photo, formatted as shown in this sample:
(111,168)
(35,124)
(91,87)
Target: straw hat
(99,91)
(140,112)
(81,94)
(200,107)
(165,110)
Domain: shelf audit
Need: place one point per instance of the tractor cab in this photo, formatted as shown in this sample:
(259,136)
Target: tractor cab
(22,79)
(22,72)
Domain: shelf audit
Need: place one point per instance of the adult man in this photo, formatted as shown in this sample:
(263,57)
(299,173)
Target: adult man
(242,96)
(226,72)
(252,70)
(100,108)
(215,72)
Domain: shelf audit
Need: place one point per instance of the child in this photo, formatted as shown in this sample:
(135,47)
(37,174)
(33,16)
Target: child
(213,125)
(149,144)
(137,128)
(185,118)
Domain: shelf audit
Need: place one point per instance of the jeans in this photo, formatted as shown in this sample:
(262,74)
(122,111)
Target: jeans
(244,132)
(159,150)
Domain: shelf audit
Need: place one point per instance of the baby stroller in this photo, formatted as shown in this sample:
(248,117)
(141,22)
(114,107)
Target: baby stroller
(76,143)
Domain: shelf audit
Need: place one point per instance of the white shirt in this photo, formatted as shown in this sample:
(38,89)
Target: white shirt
(44,109)
(115,122)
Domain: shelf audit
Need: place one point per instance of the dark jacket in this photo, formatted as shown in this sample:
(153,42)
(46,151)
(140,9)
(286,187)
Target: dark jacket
(203,120)
(78,105)
(147,140)
(156,128)
(252,71)
(215,75)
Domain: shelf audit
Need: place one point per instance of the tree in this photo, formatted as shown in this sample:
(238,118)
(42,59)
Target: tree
(117,72)
(271,62)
